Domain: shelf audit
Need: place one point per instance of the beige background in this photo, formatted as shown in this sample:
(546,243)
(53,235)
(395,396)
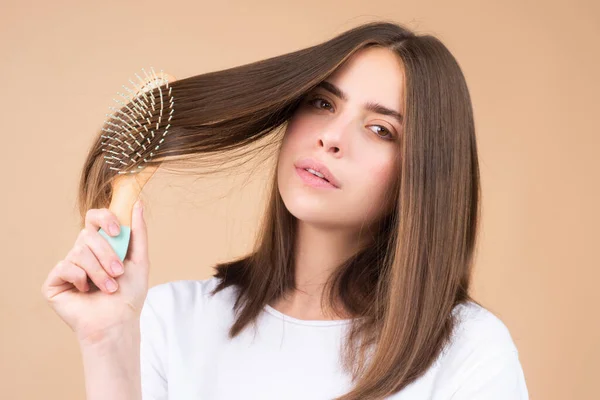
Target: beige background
(532,68)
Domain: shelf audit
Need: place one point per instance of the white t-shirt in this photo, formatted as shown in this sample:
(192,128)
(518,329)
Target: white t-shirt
(186,353)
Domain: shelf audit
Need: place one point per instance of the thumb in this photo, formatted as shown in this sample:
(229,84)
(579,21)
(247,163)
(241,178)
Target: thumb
(138,245)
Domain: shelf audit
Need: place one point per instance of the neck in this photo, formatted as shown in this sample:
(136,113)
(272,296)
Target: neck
(318,252)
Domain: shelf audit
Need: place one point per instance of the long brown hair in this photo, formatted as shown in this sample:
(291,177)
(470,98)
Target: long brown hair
(404,286)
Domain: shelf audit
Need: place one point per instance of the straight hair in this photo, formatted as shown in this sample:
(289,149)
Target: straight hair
(402,289)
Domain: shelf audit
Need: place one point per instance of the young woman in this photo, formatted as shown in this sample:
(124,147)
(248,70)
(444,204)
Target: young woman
(358,286)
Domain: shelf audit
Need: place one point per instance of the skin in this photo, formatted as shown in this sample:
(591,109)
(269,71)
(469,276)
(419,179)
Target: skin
(361,149)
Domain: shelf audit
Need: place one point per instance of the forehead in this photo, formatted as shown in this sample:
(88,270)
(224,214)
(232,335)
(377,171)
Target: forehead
(372,74)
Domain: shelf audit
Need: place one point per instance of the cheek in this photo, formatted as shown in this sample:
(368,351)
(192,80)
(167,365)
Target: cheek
(296,139)
(374,190)
(379,176)
(290,139)
(289,149)
(297,128)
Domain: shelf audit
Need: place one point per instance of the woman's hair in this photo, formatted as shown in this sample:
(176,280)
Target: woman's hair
(404,286)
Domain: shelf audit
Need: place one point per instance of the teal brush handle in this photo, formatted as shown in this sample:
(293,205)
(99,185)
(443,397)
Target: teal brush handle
(119,243)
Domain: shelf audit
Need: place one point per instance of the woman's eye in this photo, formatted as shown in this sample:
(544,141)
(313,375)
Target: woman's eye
(312,101)
(387,136)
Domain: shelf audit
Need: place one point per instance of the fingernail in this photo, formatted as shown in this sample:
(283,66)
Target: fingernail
(111,285)
(114,229)
(116,267)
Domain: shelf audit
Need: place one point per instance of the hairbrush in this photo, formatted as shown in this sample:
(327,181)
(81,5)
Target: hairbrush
(132,135)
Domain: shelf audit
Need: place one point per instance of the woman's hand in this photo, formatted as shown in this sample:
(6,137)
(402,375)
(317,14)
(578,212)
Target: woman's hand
(94,311)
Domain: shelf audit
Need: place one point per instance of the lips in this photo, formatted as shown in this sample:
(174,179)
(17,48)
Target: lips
(319,167)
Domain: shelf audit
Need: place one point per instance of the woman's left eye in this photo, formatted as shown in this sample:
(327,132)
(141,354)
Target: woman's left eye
(389,134)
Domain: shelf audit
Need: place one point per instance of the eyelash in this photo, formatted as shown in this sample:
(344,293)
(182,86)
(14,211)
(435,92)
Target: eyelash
(390,137)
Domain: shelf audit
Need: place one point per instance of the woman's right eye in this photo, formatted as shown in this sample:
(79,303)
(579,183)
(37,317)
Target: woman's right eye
(312,102)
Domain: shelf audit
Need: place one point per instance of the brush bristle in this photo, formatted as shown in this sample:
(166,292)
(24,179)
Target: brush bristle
(132,132)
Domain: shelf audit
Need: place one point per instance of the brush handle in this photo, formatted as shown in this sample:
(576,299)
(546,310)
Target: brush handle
(126,190)
(119,243)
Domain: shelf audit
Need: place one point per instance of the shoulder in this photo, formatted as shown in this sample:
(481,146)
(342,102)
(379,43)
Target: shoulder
(181,290)
(174,299)
(169,316)
(482,358)
(478,329)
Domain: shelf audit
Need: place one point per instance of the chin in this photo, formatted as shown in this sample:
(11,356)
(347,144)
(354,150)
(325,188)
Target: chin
(308,209)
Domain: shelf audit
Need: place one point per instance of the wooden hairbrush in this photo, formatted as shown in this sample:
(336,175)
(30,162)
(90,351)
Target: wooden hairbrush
(131,136)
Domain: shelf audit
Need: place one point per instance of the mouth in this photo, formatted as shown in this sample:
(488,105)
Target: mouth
(311,178)
(316,171)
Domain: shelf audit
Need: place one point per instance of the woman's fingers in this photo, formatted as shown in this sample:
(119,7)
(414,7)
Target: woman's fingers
(138,247)
(103,251)
(64,273)
(69,272)
(92,256)
(82,256)
(107,220)
(102,218)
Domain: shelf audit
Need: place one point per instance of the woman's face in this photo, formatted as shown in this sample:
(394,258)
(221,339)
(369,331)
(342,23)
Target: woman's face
(358,146)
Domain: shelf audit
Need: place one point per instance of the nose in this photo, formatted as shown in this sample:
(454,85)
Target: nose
(332,138)
(329,147)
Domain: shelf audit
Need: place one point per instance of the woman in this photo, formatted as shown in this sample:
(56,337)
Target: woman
(358,286)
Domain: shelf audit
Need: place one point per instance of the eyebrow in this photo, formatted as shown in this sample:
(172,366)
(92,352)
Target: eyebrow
(370,106)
